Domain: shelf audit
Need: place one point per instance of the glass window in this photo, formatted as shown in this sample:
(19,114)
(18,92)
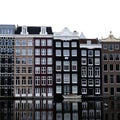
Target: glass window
(37,70)
(17,69)
(74,89)
(49,51)
(24,42)
(111,78)
(23,60)
(66,53)
(90,53)
(43,80)
(74,65)
(117,56)
(83,61)
(74,52)
(43,42)
(66,65)
(84,71)
(105,79)
(37,80)
(37,42)
(65,44)
(23,69)
(74,78)
(97,90)
(97,82)
(23,80)
(117,78)
(118,89)
(49,42)
(105,56)
(43,60)
(105,89)
(17,60)
(17,42)
(37,61)
(30,43)
(90,71)
(43,51)
(37,51)
(84,90)
(49,80)
(17,80)
(23,51)
(105,67)
(58,44)
(58,65)
(43,70)
(66,78)
(111,67)
(58,89)
(30,80)
(84,82)
(97,52)
(111,46)
(90,82)
(30,51)
(30,60)
(97,71)
(83,53)
(74,44)
(17,51)
(29,69)
(117,67)
(97,61)
(111,56)
(49,70)
(49,61)
(90,61)
(58,52)
(58,78)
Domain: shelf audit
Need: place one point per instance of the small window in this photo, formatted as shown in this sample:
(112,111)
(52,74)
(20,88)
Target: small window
(58,44)
(117,46)
(111,46)
(83,53)
(105,89)
(104,46)
(105,67)
(90,53)
(118,89)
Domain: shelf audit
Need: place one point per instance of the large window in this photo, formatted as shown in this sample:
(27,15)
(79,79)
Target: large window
(43,51)
(74,65)
(43,60)
(49,51)
(97,82)
(65,44)
(17,51)
(43,42)
(30,43)
(111,46)
(58,44)
(37,61)
(30,60)
(23,60)
(90,82)
(58,52)
(90,53)
(74,44)
(29,69)
(24,42)
(83,52)
(37,42)
(49,80)
(17,80)
(117,56)
(111,67)
(117,78)
(49,70)
(49,61)
(49,42)
(84,82)
(90,71)
(84,71)
(23,69)
(66,78)
(74,78)
(43,80)
(105,78)
(23,51)
(30,51)
(74,89)
(58,65)
(105,67)
(84,90)
(97,91)
(17,69)
(58,89)
(74,52)
(105,56)
(43,70)
(111,56)
(37,80)
(58,78)
(37,51)
(83,61)
(17,60)
(97,71)
(97,61)
(37,70)
(97,52)
(66,53)
(90,61)
(17,42)
(66,65)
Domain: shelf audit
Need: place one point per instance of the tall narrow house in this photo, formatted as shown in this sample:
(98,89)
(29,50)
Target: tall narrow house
(6,60)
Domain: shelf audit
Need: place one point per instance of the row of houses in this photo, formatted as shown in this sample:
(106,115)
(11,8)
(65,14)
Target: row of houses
(37,62)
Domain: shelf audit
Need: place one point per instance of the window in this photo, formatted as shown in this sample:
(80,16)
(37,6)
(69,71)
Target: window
(84,71)
(58,44)
(117,56)
(104,46)
(111,56)
(30,61)
(90,53)
(49,80)
(97,52)
(90,61)
(49,51)
(105,89)
(37,51)
(97,90)
(118,89)
(17,51)
(24,42)
(43,80)
(49,61)
(90,82)
(23,60)
(74,65)
(111,46)
(66,53)
(111,79)
(66,65)
(97,71)
(84,82)
(49,70)
(83,61)
(37,70)
(43,70)
(43,60)
(17,69)
(105,67)
(84,90)
(105,79)
(37,80)
(17,80)
(49,42)
(17,42)
(105,56)
(37,61)
(83,52)
(58,78)
(97,82)
(117,78)
(66,78)
(29,69)
(43,51)
(74,44)
(117,67)
(37,42)
(30,51)
(74,52)
(23,51)
(30,43)
(23,80)
(65,44)
(111,67)
(58,52)
(29,80)
(17,60)
(58,65)
(23,69)
(74,78)
(74,89)
(43,42)
(90,71)
(58,89)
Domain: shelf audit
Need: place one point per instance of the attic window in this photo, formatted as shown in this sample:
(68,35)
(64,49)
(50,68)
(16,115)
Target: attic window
(88,41)
(24,30)
(43,31)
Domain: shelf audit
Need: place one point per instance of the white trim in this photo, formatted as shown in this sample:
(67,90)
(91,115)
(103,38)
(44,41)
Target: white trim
(91,46)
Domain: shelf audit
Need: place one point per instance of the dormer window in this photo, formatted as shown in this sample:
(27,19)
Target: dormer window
(43,31)
(24,30)
(88,41)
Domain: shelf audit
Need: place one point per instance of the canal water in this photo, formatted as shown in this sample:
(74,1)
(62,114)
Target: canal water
(48,109)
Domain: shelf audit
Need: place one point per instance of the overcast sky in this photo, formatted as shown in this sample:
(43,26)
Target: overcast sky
(95,18)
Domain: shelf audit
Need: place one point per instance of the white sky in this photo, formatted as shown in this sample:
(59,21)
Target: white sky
(95,18)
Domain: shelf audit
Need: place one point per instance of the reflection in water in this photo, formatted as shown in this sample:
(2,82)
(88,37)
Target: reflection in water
(46,109)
